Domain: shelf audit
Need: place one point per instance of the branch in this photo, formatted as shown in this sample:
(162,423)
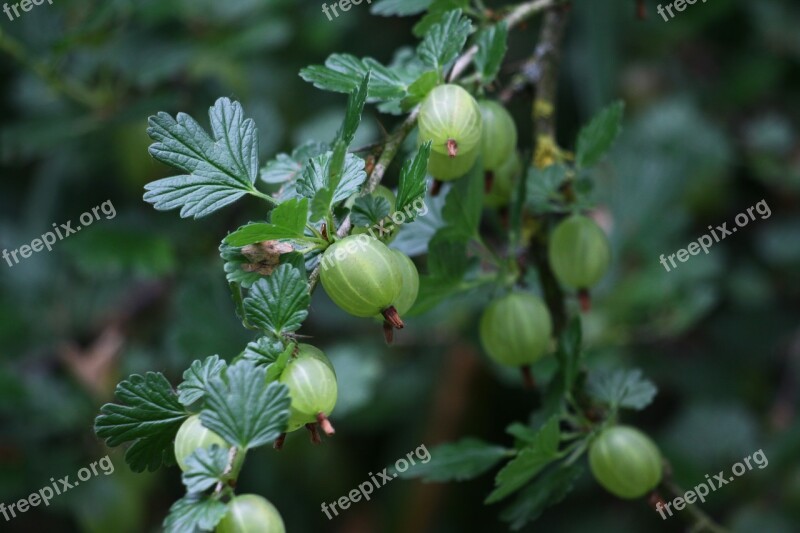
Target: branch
(519,14)
(544,125)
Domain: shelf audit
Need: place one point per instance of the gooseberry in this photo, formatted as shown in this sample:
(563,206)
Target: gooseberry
(579,252)
(445,168)
(311,380)
(499,135)
(451,119)
(515,329)
(193,435)
(625,461)
(502,183)
(251,513)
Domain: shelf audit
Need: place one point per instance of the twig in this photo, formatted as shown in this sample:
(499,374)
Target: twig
(515,17)
(544,125)
(701,521)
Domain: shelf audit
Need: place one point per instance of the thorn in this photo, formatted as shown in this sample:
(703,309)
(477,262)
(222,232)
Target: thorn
(488,181)
(585,300)
(388,332)
(312,429)
(452,148)
(527,377)
(325,424)
(392,317)
(324,231)
(278,444)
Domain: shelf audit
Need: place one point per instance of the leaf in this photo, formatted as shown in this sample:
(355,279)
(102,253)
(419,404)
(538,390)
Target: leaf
(343,73)
(288,221)
(316,177)
(205,467)
(436,12)
(149,416)
(621,388)
(194,513)
(551,488)
(492,46)
(447,255)
(445,40)
(220,170)
(543,188)
(457,461)
(324,198)
(285,168)
(596,138)
(271,353)
(400,8)
(279,303)
(528,462)
(412,184)
(195,379)
(418,90)
(464,204)
(369,210)
(243,409)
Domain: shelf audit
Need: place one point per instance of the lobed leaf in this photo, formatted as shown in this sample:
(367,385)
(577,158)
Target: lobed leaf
(621,388)
(194,513)
(205,467)
(195,379)
(597,137)
(457,461)
(445,40)
(492,46)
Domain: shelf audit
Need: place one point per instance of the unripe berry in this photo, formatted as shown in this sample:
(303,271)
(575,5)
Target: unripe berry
(193,435)
(579,252)
(250,513)
(451,119)
(515,329)
(410,283)
(360,274)
(499,137)
(625,461)
(446,168)
(311,380)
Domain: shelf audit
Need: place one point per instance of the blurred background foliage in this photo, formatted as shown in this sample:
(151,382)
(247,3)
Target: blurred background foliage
(711,128)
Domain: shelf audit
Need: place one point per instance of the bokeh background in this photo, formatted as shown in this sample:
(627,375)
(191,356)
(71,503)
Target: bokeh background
(711,128)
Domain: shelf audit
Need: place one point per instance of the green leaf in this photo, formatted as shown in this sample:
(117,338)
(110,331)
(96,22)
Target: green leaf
(194,513)
(522,433)
(492,46)
(271,353)
(195,379)
(243,409)
(464,204)
(149,416)
(551,488)
(288,221)
(445,40)
(220,170)
(436,12)
(285,168)
(355,108)
(369,210)
(343,73)
(596,138)
(400,8)
(412,184)
(528,462)
(278,303)
(543,188)
(205,467)
(316,177)
(418,90)
(447,255)
(621,388)
(458,461)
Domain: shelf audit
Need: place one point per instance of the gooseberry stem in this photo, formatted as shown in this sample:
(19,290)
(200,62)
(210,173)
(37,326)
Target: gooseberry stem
(325,424)
(393,317)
